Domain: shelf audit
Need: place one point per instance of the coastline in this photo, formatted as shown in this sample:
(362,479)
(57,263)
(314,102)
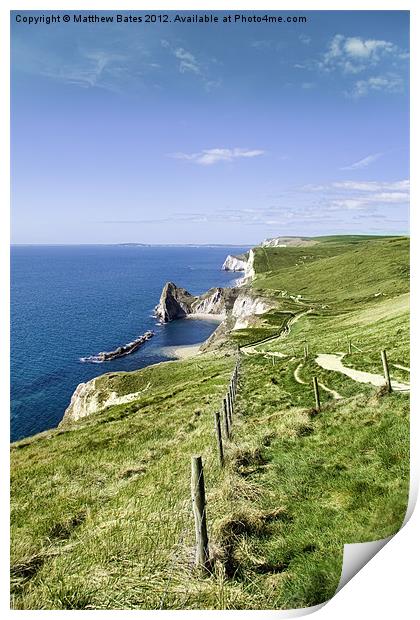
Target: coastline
(175,343)
(185,351)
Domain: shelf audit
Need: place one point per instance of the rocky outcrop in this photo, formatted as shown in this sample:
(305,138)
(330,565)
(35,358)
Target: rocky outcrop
(126,349)
(248,306)
(239,303)
(215,301)
(84,402)
(175,303)
(235,263)
(96,395)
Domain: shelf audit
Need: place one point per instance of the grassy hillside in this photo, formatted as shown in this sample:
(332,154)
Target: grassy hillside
(334,271)
(101,509)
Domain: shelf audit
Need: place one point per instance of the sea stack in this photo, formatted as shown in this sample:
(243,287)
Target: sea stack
(174,303)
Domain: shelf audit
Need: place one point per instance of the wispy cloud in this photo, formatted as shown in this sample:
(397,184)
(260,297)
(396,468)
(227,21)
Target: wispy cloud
(86,68)
(354,54)
(187,61)
(373,186)
(336,204)
(364,65)
(363,163)
(368,195)
(209,157)
(390,83)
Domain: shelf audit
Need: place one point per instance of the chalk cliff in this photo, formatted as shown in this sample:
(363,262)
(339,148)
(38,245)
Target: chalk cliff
(176,302)
(284,242)
(247,306)
(235,263)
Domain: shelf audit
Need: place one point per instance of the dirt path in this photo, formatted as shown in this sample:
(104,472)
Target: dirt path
(250,348)
(334,394)
(296,375)
(330,361)
(292,321)
(298,379)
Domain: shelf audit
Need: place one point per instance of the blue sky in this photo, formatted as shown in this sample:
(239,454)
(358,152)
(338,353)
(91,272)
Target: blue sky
(222,133)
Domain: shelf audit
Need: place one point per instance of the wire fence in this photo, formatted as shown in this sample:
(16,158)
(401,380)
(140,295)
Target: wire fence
(214,459)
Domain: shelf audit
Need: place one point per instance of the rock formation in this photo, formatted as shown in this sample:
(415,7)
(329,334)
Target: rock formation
(235,263)
(174,303)
(177,303)
(247,306)
(126,349)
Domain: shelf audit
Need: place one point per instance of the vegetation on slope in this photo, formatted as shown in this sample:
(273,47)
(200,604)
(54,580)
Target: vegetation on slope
(101,510)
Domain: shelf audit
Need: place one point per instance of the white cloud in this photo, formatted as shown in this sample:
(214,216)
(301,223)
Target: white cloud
(365,195)
(363,163)
(208,157)
(188,61)
(373,186)
(389,83)
(354,54)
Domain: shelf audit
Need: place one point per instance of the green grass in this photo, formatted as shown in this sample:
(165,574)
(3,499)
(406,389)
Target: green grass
(334,273)
(101,512)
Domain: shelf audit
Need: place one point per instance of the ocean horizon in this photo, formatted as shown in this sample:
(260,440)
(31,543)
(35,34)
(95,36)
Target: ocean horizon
(73,301)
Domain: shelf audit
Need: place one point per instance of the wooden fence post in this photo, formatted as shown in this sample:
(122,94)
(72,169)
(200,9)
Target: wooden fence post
(226,418)
(386,370)
(230,407)
(199,509)
(349,347)
(219,437)
(316,392)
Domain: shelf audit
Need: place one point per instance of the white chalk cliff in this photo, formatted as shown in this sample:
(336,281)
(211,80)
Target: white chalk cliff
(235,263)
(246,307)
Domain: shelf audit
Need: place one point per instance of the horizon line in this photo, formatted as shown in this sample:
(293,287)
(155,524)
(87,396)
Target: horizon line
(210,244)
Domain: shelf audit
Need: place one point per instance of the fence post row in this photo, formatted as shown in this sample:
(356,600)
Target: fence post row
(199,509)
(228,410)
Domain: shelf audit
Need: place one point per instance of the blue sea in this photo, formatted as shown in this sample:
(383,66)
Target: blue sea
(70,302)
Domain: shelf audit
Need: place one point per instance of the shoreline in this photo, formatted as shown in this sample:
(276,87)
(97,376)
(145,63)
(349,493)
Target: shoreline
(202,316)
(184,351)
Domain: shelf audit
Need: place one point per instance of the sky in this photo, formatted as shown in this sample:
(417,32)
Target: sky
(224,133)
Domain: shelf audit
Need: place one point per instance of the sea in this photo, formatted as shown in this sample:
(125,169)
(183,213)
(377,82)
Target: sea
(70,302)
